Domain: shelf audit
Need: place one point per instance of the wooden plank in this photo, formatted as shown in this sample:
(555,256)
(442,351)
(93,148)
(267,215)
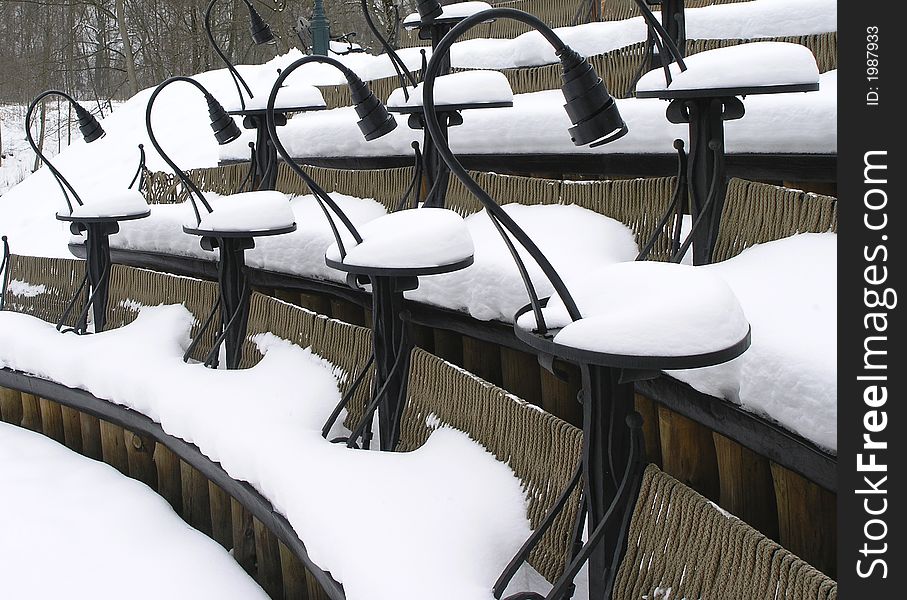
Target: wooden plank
(559,397)
(11,406)
(747,490)
(113,447)
(196,506)
(318,303)
(243,537)
(31,412)
(292,571)
(291,296)
(807,519)
(688,453)
(647,408)
(72,429)
(422,336)
(483,359)
(268,572)
(347,311)
(221,515)
(316,592)
(169,479)
(140,457)
(449,346)
(52,420)
(520,375)
(90,432)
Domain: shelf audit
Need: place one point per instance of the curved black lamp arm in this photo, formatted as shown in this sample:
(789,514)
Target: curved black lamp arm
(321,196)
(443,148)
(179,172)
(675,207)
(400,67)
(4,269)
(140,170)
(61,181)
(237,78)
(655,24)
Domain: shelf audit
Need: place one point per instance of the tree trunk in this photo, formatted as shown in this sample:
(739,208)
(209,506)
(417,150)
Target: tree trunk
(129,57)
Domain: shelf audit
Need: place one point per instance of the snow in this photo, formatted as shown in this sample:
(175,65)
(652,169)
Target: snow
(788,289)
(759,64)
(451,514)
(249,211)
(457,10)
(300,252)
(293,96)
(413,239)
(465,87)
(573,238)
(741,20)
(23,289)
(100,534)
(647,309)
(120,203)
(794,123)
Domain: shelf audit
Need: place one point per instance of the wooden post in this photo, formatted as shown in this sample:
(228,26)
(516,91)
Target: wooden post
(90,432)
(483,359)
(807,519)
(221,515)
(31,412)
(11,406)
(747,490)
(559,397)
(316,592)
(348,312)
(243,537)
(688,453)
(52,420)
(140,458)
(423,337)
(268,555)
(113,447)
(649,412)
(449,346)
(169,480)
(293,573)
(72,428)
(520,375)
(196,505)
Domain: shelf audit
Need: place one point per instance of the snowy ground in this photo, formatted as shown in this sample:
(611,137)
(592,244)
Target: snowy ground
(452,515)
(77,528)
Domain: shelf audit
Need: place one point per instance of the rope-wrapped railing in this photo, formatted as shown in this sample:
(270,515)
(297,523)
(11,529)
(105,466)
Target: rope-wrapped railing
(618,10)
(542,450)
(756,213)
(42,287)
(681,546)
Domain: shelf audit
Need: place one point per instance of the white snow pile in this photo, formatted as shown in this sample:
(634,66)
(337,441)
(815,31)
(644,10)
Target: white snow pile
(409,239)
(757,19)
(760,64)
(465,87)
(248,211)
(120,203)
(795,123)
(647,309)
(788,290)
(457,10)
(574,239)
(296,96)
(451,514)
(77,528)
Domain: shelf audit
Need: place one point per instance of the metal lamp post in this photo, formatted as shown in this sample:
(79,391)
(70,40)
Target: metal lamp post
(392,344)
(321,30)
(235,289)
(612,460)
(97,227)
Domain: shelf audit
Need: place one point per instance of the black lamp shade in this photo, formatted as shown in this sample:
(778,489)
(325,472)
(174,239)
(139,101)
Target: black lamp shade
(374,119)
(429,9)
(261,31)
(88,124)
(590,107)
(223,125)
